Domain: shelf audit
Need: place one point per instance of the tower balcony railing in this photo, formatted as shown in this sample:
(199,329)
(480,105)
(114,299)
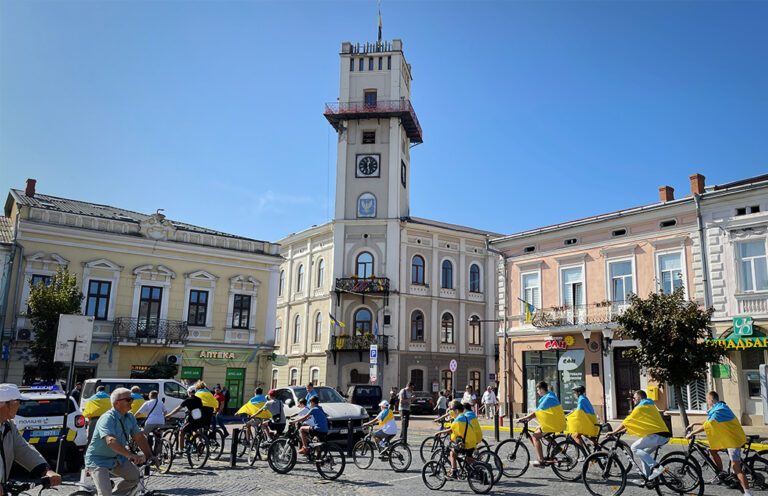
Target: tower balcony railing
(335,112)
(363,285)
(360,343)
(573,315)
(154,331)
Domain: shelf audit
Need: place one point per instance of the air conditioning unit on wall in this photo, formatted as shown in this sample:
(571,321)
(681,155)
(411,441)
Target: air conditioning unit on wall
(173,359)
(23,334)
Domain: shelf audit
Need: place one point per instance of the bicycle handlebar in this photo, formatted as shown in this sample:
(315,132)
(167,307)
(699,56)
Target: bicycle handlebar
(14,487)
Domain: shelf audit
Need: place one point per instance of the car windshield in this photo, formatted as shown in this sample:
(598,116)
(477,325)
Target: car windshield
(44,408)
(90,387)
(326,395)
(367,391)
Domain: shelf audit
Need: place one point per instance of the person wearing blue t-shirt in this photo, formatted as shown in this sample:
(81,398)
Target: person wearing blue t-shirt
(310,391)
(320,429)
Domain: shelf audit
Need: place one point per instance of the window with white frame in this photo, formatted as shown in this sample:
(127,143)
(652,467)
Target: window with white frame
(531,291)
(278,331)
(297,329)
(281,286)
(320,273)
(446,277)
(573,286)
(754,272)
(300,279)
(199,290)
(446,329)
(314,376)
(318,328)
(243,292)
(293,377)
(474,278)
(694,397)
(671,272)
(620,274)
(275,373)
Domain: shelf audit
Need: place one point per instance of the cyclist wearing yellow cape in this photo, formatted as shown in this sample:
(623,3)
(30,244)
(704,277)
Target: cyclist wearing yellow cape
(646,423)
(550,416)
(724,431)
(582,421)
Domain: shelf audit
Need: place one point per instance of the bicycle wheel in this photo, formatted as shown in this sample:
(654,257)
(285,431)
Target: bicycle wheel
(164,453)
(243,443)
(362,454)
(197,450)
(756,470)
(603,474)
(216,445)
(493,461)
(331,462)
(480,477)
(566,454)
(428,446)
(515,457)
(282,456)
(253,450)
(399,456)
(680,477)
(433,475)
(483,445)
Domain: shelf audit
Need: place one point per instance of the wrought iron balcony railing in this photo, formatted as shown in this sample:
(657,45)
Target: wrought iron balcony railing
(367,285)
(360,343)
(335,112)
(153,330)
(573,316)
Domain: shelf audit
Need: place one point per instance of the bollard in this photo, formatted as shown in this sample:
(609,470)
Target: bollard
(350,439)
(235,442)
(496,426)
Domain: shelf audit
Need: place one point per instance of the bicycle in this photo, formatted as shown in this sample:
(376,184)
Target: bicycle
(216,441)
(328,458)
(15,488)
(436,442)
(561,455)
(258,448)
(477,474)
(244,437)
(89,489)
(604,474)
(161,448)
(195,448)
(397,453)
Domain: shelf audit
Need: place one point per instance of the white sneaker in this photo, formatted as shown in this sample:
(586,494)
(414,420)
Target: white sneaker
(747,492)
(715,481)
(580,459)
(657,472)
(382,444)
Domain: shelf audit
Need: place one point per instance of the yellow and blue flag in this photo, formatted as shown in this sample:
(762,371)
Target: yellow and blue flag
(98,405)
(645,419)
(529,310)
(475,425)
(138,400)
(207,398)
(334,321)
(583,419)
(723,428)
(550,414)
(254,405)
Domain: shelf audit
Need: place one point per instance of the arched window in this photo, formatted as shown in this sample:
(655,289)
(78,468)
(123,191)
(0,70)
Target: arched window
(474,330)
(318,328)
(417,270)
(364,266)
(320,273)
(293,377)
(314,376)
(300,279)
(363,322)
(417,326)
(474,380)
(447,275)
(446,328)
(278,329)
(281,286)
(446,380)
(297,329)
(474,278)
(275,372)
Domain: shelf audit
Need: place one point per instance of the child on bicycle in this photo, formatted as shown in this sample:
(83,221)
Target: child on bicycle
(461,433)
(724,431)
(473,422)
(194,417)
(320,429)
(551,418)
(386,420)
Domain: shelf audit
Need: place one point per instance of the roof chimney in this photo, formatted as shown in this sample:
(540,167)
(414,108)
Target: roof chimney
(30,191)
(666,193)
(697,183)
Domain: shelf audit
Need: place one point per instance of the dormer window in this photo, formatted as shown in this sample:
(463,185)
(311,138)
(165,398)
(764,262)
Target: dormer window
(667,223)
(529,249)
(570,241)
(618,232)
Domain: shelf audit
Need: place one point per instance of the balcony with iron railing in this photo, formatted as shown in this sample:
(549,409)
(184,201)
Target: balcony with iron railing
(336,112)
(374,286)
(153,331)
(360,343)
(573,316)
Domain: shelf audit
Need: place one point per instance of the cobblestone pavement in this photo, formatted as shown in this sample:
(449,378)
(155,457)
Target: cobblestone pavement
(218,478)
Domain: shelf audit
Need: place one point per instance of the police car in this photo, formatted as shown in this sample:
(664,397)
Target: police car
(39,420)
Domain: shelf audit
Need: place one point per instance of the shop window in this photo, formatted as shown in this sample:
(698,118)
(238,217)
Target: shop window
(750,365)
(562,370)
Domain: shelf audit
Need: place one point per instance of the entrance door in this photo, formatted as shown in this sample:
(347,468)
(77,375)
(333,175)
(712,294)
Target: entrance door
(627,381)
(235,381)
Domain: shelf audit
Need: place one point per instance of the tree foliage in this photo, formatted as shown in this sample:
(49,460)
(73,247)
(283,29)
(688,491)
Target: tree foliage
(46,303)
(162,370)
(670,331)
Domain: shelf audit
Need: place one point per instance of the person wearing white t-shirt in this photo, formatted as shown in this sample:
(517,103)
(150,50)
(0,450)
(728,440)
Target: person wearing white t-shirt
(155,411)
(303,413)
(489,401)
(386,420)
(469,397)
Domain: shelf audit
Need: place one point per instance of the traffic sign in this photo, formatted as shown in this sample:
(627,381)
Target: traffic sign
(374,353)
(372,372)
(453,366)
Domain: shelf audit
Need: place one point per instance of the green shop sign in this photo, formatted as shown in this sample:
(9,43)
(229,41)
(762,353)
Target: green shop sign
(212,354)
(721,371)
(744,335)
(191,372)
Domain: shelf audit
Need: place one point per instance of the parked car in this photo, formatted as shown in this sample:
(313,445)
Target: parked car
(339,412)
(170,391)
(422,403)
(39,420)
(366,396)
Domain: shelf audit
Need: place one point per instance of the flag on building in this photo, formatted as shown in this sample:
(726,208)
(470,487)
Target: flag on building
(376,329)
(334,321)
(379,23)
(529,309)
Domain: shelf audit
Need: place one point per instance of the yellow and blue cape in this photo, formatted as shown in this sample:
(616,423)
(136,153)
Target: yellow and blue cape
(207,398)
(461,428)
(723,428)
(550,414)
(475,425)
(385,416)
(254,405)
(583,419)
(645,419)
(98,405)
(138,400)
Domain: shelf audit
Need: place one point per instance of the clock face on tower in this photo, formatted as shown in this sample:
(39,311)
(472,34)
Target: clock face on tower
(368,166)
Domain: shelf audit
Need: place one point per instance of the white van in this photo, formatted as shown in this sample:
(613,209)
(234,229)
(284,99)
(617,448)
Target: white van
(170,391)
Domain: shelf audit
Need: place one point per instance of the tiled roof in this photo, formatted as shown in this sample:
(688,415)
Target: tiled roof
(106,212)
(6,231)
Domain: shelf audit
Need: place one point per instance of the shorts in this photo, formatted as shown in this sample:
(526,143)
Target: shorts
(464,451)
(193,425)
(734,454)
(322,436)
(380,434)
(274,426)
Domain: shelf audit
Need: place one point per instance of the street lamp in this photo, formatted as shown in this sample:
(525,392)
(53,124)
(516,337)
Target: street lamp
(587,334)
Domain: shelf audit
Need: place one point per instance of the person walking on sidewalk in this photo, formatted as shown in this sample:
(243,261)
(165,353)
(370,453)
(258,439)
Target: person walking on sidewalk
(442,404)
(489,403)
(404,397)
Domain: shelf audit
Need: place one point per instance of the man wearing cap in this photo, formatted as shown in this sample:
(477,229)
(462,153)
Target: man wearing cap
(386,420)
(275,407)
(14,447)
(218,415)
(195,419)
(107,454)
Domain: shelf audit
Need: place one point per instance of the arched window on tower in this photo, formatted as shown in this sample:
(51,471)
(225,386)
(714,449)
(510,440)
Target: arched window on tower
(363,321)
(364,265)
(417,270)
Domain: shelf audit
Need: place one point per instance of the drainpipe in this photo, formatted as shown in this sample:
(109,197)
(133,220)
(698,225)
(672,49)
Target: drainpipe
(507,391)
(15,292)
(704,272)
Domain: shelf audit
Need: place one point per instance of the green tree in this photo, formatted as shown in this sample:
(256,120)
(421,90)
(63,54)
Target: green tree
(671,333)
(162,370)
(46,303)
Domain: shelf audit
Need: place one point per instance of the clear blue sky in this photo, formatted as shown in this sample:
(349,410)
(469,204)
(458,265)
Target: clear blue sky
(533,112)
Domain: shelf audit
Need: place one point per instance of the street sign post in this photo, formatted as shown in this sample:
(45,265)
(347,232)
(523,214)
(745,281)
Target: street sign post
(374,358)
(453,366)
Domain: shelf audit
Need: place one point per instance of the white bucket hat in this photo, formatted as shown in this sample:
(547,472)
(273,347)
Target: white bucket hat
(384,403)
(10,392)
